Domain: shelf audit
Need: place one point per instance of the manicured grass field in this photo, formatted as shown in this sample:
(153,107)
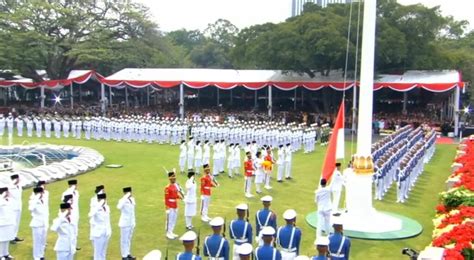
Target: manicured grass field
(143,170)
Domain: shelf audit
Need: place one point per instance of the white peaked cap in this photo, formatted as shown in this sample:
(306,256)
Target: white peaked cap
(267,198)
(188,236)
(242,206)
(217,221)
(289,214)
(321,241)
(302,257)
(245,249)
(338,221)
(268,231)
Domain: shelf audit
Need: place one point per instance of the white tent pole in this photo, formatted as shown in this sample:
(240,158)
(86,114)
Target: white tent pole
(102,98)
(126,96)
(72,97)
(181,101)
(43,97)
(354,107)
(457,95)
(405,100)
(270,101)
(110,96)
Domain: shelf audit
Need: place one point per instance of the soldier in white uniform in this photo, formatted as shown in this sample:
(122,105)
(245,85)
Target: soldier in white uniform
(16,192)
(57,127)
(207,153)
(280,163)
(65,244)
(10,123)
(2,126)
(38,126)
(182,156)
(78,128)
(47,126)
(87,128)
(337,181)
(190,200)
(7,224)
(39,220)
(215,158)
(259,174)
(101,228)
(190,154)
(29,126)
(323,200)
(19,125)
(66,126)
(72,190)
(198,156)
(288,160)
(126,223)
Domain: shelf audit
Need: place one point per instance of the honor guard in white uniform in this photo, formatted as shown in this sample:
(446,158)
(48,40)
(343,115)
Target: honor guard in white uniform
(93,202)
(264,218)
(16,192)
(323,200)
(188,242)
(183,151)
(45,197)
(101,228)
(47,126)
(65,244)
(288,161)
(10,122)
(29,126)
(216,247)
(240,229)
(266,251)
(259,173)
(2,124)
(7,224)
(20,123)
(337,182)
(57,127)
(280,163)
(72,190)
(190,200)
(38,126)
(127,223)
(288,237)
(66,126)
(172,194)
(215,158)
(207,153)
(190,153)
(198,157)
(244,252)
(39,220)
(87,128)
(339,245)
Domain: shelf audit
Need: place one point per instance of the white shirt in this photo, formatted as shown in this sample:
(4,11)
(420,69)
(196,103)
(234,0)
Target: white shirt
(100,220)
(16,192)
(190,148)
(198,152)
(182,150)
(39,211)
(207,151)
(127,207)
(190,196)
(337,181)
(65,230)
(323,199)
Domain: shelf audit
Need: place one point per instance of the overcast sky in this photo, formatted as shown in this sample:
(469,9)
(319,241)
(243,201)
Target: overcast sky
(196,14)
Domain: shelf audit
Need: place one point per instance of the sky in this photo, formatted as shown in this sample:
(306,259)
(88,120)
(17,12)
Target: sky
(197,14)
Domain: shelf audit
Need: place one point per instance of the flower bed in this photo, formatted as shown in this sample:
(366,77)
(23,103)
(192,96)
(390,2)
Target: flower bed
(454,222)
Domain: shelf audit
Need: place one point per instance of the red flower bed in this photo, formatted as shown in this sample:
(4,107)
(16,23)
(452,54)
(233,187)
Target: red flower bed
(460,235)
(458,218)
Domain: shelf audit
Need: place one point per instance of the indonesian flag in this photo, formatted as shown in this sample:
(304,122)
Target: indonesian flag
(336,145)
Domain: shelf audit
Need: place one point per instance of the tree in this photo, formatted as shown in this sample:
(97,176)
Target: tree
(60,35)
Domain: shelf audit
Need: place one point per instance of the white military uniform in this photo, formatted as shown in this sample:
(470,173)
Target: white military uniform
(190,154)
(65,244)
(126,223)
(101,229)
(7,224)
(323,200)
(39,220)
(75,209)
(182,156)
(190,201)
(198,158)
(16,192)
(336,187)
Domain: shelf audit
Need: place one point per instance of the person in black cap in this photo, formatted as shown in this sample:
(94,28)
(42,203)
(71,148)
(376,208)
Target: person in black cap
(38,222)
(100,227)
(45,197)
(7,223)
(323,200)
(65,246)
(72,190)
(190,153)
(288,160)
(183,148)
(126,223)
(94,200)
(16,192)
(190,200)
(172,195)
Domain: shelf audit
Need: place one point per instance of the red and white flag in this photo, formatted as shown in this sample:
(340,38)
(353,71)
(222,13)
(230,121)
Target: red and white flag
(336,145)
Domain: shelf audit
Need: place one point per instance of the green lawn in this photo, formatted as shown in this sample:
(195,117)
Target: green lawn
(143,170)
